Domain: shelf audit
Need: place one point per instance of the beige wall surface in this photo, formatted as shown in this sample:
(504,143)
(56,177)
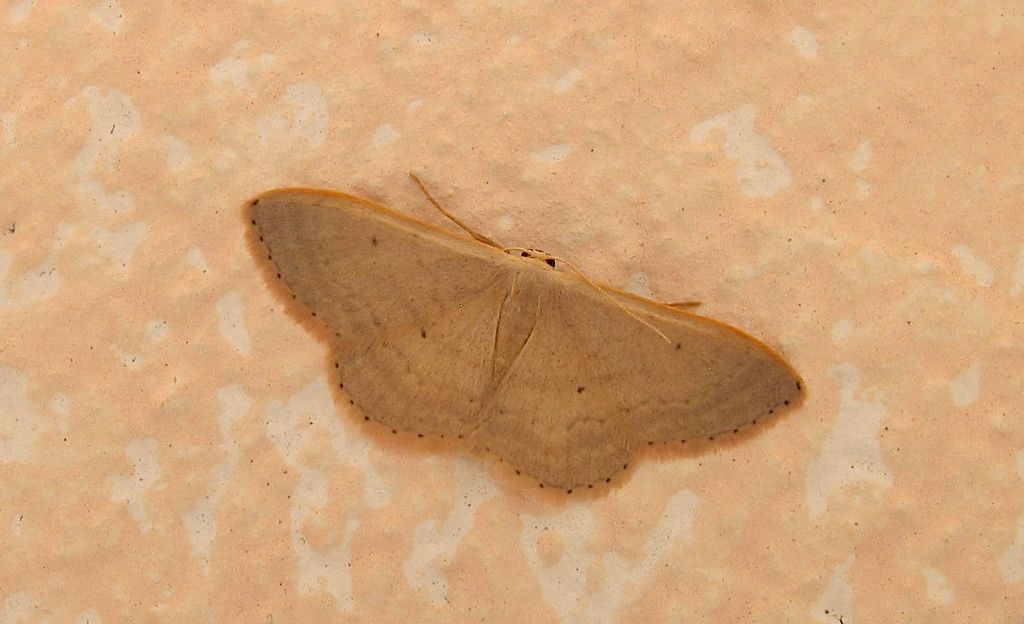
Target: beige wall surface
(841,180)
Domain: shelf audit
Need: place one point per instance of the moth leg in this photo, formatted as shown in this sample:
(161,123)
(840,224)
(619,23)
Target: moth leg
(477,235)
(683,304)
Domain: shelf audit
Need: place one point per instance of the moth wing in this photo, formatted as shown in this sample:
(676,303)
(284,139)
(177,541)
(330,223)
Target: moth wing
(363,269)
(594,383)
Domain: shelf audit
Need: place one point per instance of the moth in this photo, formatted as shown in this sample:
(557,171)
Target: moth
(446,334)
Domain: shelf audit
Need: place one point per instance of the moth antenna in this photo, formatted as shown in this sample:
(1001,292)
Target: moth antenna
(612,299)
(477,235)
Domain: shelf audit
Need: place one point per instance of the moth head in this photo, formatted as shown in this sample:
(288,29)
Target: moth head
(535,254)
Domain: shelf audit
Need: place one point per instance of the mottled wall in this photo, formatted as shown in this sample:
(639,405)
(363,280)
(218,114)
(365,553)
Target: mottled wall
(845,186)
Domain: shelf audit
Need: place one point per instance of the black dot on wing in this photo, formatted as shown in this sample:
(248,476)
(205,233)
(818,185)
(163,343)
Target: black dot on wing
(679,346)
(254,202)
(373,241)
(580,389)
(786,402)
(525,254)
(551,263)
(423,333)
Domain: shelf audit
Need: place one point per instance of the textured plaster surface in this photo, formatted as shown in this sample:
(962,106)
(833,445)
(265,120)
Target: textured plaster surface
(845,186)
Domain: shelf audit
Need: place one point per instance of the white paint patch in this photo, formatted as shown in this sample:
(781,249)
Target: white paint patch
(965,387)
(131,361)
(414,105)
(639,284)
(41,282)
(974,266)
(195,258)
(18,526)
(307,419)
(421,39)
(506,223)
(201,521)
(1017,279)
(851,453)
(20,424)
(863,187)
(157,330)
(805,41)
(564,583)
(19,11)
(937,587)
(89,616)
(551,155)
(5,268)
(178,156)
(837,599)
(116,202)
(119,246)
(17,608)
(132,489)
(816,203)
(60,404)
(862,156)
(1011,562)
(762,172)
(305,116)
(7,123)
(434,544)
(108,14)
(231,322)
(235,69)
(115,120)
(842,330)
(566,82)
(384,135)
(231,70)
